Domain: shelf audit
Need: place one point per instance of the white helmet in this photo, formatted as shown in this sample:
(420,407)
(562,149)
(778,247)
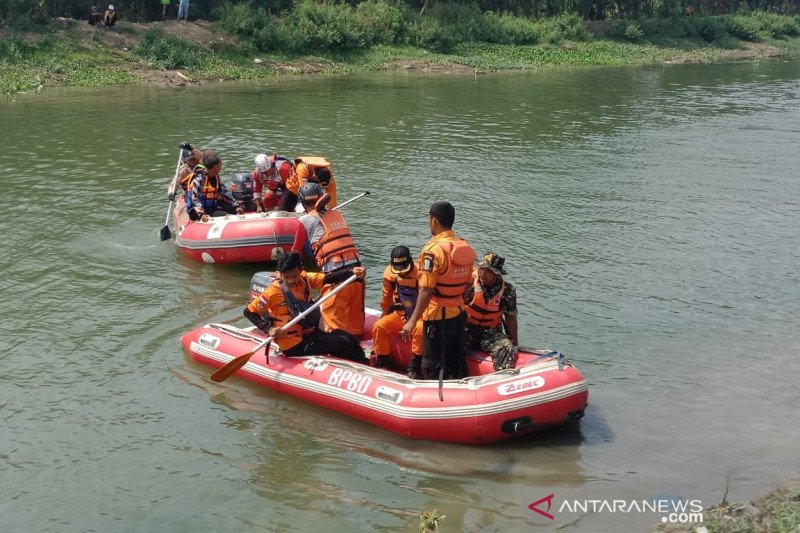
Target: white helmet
(262,162)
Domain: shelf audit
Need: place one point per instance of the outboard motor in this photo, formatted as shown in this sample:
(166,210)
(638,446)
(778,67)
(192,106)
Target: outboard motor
(241,187)
(260,281)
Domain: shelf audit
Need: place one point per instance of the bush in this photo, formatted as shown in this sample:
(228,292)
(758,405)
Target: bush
(633,32)
(777,26)
(427,32)
(743,27)
(244,20)
(712,29)
(564,28)
(511,30)
(383,23)
(323,27)
(14,49)
(167,51)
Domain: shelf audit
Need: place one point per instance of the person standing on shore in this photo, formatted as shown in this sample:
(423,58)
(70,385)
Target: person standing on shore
(183,10)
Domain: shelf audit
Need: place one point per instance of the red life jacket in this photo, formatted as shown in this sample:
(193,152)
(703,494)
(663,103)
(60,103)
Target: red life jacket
(482,313)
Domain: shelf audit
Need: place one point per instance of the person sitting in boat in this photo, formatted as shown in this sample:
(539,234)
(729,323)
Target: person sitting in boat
(269,181)
(329,242)
(289,296)
(207,195)
(492,304)
(445,268)
(309,169)
(190,158)
(399,299)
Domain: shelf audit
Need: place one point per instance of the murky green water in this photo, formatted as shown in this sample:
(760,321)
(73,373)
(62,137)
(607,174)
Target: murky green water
(649,218)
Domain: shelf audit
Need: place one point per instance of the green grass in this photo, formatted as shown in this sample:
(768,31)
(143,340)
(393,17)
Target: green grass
(777,512)
(26,65)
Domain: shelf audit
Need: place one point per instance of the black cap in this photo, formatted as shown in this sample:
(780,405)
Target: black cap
(401,260)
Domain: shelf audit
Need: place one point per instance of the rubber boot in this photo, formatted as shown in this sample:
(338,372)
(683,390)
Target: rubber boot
(383,361)
(415,367)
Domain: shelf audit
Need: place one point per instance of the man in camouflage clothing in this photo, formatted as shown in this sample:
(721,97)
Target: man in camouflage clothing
(492,305)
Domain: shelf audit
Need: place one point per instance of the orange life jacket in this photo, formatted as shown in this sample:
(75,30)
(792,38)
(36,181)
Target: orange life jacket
(190,176)
(288,309)
(303,172)
(450,286)
(336,244)
(482,313)
(209,191)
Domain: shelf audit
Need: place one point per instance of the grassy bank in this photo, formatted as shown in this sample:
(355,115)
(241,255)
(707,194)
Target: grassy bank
(69,52)
(776,512)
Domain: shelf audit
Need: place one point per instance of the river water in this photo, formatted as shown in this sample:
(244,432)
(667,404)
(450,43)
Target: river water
(649,217)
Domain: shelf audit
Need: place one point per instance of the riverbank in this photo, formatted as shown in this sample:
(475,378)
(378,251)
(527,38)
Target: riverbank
(176,54)
(776,511)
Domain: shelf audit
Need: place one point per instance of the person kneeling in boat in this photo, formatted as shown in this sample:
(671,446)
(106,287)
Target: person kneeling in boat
(330,244)
(289,296)
(492,304)
(399,299)
(269,181)
(309,169)
(206,194)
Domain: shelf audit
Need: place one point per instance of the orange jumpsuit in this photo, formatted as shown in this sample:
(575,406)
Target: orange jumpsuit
(394,319)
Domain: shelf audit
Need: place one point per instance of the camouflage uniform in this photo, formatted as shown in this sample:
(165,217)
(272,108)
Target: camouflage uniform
(493,340)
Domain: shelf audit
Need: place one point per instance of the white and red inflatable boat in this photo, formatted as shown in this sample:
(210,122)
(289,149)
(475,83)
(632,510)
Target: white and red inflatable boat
(542,390)
(247,238)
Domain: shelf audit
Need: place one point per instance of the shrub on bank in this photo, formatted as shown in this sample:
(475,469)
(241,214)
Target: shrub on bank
(167,51)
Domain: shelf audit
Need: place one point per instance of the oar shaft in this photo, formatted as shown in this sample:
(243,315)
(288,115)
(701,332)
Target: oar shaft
(353,199)
(174,185)
(319,302)
(235,364)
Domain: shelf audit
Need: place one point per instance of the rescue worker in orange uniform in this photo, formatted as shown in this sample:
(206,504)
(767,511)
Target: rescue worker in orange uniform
(330,244)
(492,305)
(289,296)
(445,271)
(309,169)
(400,293)
(207,195)
(269,181)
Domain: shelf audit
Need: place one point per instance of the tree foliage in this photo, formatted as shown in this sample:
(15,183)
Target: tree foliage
(22,13)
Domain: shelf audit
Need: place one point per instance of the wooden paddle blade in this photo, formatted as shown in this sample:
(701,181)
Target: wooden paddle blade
(166,234)
(231,368)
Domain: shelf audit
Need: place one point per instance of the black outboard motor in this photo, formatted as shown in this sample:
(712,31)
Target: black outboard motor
(241,187)
(260,281)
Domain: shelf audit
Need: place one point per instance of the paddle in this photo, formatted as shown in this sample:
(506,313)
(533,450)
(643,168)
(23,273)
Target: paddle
(235,364)
(165,233)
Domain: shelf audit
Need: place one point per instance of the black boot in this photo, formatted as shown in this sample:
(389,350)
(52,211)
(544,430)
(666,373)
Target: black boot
(415,367)
(383,361)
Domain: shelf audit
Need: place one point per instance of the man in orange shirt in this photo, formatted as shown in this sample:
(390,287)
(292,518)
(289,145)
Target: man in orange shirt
(445,271)
(289,296)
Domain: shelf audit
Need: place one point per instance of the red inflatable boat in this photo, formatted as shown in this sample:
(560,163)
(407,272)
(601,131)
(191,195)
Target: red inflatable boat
(248,238)
(542,390)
